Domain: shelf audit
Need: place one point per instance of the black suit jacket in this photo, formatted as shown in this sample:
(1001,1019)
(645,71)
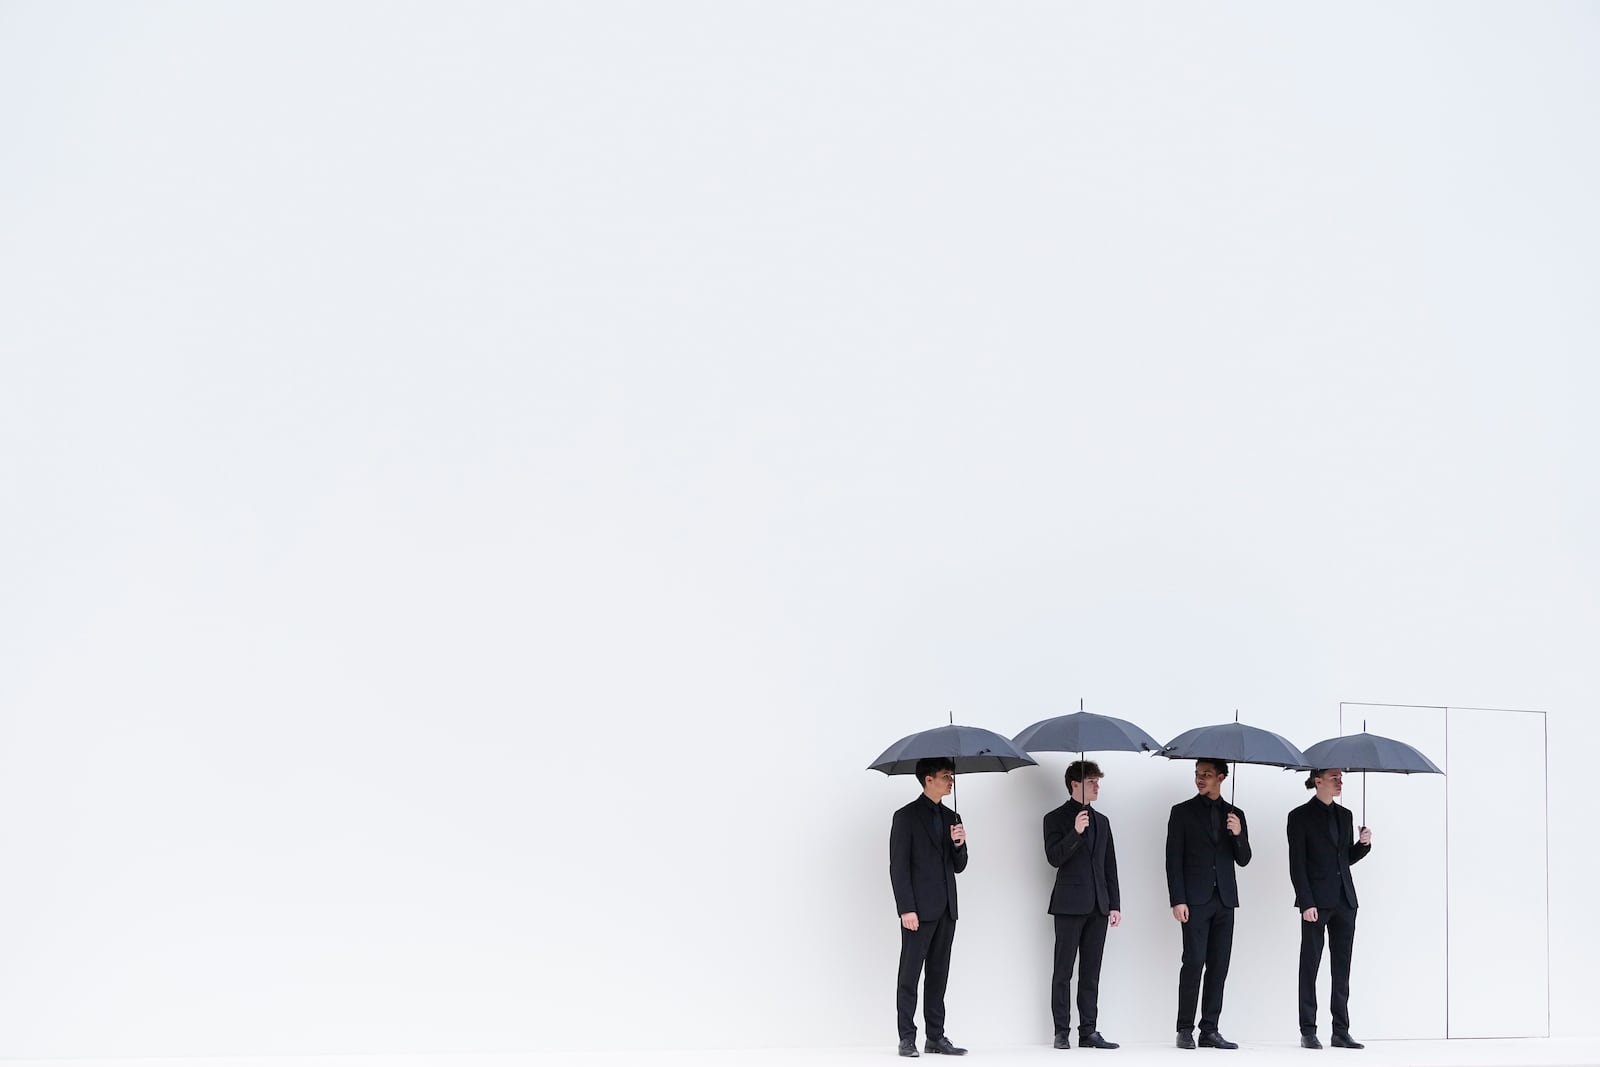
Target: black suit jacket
(1319,861)
(923,861)
(1195,863)
(1086,879)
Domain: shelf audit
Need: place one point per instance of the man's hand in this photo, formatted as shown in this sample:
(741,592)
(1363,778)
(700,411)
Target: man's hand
(1116,918)
(909,920)
(1366,836)
(1309,915)
(1180,912)
(958,834)
(1082,822)
(1234,826)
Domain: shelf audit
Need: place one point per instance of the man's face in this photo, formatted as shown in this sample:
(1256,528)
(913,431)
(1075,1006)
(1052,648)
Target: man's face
(1086,791)
(1330,783)
(1206,779)
(939,785)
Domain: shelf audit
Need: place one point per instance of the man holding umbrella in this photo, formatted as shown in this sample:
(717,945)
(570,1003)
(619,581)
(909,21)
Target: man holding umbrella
(1086,901)
(1322,846)
(1206,838)
(927,849)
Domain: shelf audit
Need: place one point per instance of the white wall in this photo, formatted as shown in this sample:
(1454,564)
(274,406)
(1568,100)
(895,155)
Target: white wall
(480,482)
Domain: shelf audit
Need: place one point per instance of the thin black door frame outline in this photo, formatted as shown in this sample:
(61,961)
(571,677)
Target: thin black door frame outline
(1545,724)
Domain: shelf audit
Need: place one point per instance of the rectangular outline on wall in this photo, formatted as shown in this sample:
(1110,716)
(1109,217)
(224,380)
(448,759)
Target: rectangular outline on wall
(1545,724)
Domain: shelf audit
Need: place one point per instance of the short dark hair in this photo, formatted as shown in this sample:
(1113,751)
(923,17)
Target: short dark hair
(1311,779)
(1218,766)
(928,768)
(1080,769)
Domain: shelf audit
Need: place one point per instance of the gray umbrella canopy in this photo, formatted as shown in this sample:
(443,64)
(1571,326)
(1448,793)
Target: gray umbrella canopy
(1084,731)
(973,749)
(1368,752)
(1235,742)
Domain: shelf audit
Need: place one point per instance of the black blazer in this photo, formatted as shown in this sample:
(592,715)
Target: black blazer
(923,861)
(1194,863)
(1319,861)
(1084,883)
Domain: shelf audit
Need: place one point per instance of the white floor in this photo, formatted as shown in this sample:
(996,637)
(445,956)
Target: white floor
(1521,1053)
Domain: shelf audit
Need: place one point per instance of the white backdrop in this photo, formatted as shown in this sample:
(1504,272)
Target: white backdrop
(481,481)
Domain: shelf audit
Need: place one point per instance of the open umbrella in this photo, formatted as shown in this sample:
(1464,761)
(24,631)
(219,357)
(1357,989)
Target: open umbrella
(1368,752)
(973,749)
(1235,742)
(1084,732)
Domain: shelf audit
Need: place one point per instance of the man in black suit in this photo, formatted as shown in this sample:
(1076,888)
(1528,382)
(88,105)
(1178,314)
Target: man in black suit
(1322,846)
(1206,838)
(1086,901)
(927,849)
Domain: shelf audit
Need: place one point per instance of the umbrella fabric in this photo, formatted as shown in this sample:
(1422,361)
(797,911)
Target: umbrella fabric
(1368,752)
(1236,743)
(973,749)
(1084,731)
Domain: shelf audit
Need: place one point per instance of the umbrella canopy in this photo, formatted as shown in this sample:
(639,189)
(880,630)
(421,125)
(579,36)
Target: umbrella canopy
(1237,743)
(1084,731)
(973,749)
(1368,752)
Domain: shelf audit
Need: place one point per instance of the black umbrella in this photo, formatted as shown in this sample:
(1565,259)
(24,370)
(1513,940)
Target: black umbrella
(973,749)
(1235,742)
(1083,732)
(1368,752)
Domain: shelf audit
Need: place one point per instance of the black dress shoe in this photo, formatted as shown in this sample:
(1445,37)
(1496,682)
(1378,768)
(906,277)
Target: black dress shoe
(1185,1039)
(1345,1041)
(1214,1039)
(908,1047)
(1063,1039)
(942,1046)
(1094,1040)
(1309,1041)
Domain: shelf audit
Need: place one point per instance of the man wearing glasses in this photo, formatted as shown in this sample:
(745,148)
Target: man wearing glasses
(1206,838)
(1085,902)
(927,849)
(1322,846)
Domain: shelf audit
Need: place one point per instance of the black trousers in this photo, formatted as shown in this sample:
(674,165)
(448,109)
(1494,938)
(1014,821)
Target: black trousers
(1340,922)
(928,944)
(1207,948)
(1083,937)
